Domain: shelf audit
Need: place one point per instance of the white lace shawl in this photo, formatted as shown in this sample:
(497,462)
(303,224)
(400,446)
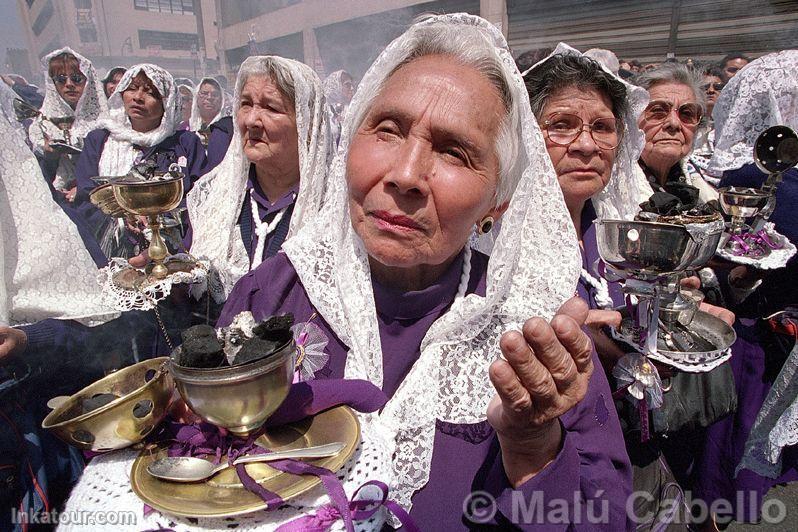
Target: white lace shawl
(215,200)
(195,122)
(119,151)
(763,94)
(533,269)
(46,270)
(92,102)
(627,187)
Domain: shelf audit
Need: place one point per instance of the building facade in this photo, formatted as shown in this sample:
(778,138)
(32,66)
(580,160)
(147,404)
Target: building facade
(172,33)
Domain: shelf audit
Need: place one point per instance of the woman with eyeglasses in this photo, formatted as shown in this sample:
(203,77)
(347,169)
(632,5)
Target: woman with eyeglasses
(669,123)
(73,99)
(211,119)
(589,121)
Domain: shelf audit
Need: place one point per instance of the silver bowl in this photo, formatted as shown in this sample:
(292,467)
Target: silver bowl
(645,250)
(742,202)
(238,398)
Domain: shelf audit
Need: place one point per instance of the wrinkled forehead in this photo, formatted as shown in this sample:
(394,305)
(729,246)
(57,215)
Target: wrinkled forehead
(672,92)
(453,94)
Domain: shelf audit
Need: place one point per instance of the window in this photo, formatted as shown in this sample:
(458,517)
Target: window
(43,18)
(166,40)
(177,7)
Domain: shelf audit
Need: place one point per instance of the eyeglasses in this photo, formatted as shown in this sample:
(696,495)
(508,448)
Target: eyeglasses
(61,79)
(563,129)
(658,111)
(717,86)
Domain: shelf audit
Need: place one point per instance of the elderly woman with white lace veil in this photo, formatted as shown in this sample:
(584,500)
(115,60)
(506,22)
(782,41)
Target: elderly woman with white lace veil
(73,100)
(141,124)
(243,210)
(211,120)
(439,139)
(570,92)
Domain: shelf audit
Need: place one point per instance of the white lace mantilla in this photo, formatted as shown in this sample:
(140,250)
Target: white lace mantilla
(762,95)
(105,485)
(776,425)
(777,258)
(45,267)
(89,107)
(533,269)
(148,296)
(215,200)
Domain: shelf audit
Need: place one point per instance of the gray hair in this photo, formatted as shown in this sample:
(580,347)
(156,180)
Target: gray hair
(472,47)
(566,70)
(278,72)
(674,73)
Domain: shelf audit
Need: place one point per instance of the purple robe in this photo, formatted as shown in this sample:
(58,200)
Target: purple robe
(756,361)
(218,141)
(591,465)
(267,211)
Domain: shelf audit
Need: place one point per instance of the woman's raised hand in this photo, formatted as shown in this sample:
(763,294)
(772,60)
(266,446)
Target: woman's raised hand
(544,373)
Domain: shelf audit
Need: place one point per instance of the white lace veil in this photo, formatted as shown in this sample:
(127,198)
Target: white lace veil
(116,120)
(91,104)
(763,94)
(628,186)
(533,270)
(195,122)
(215,200)
(46,270)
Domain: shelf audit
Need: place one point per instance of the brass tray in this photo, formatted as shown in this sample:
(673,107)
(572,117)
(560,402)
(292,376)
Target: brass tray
(223,495)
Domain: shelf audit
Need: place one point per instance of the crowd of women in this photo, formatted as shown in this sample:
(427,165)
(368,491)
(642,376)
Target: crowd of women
(435,224)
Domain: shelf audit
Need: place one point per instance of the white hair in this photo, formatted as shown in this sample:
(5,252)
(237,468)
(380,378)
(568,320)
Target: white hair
(605,57)
(470,46)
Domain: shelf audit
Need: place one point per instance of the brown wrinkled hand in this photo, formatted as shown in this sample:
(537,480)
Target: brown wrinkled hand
(545,373)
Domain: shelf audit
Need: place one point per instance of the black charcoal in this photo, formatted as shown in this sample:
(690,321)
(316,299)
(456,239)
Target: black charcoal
(275,329)
(201,348)
(256,349)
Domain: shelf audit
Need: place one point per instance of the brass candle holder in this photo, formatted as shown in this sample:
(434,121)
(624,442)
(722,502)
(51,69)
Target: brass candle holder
(151,199)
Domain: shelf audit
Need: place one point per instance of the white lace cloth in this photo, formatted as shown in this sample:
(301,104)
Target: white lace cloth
(148,296)
(105,485)
(90,105)
(777,258)
(533,269)
(776,425)
(762,95)
(46,270)
(226,109)
(627,187)
(215,201)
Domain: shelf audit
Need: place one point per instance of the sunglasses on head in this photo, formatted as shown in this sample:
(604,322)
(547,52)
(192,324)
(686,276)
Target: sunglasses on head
(717,86)
(61,79)
(688,113)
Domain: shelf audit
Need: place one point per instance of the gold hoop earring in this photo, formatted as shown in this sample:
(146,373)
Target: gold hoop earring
(485,225)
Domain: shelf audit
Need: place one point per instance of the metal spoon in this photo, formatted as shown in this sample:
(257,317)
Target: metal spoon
(192,469)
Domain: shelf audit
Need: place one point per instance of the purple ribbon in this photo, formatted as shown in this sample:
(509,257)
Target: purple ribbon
(360,509)
(304,399)
(752,244)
